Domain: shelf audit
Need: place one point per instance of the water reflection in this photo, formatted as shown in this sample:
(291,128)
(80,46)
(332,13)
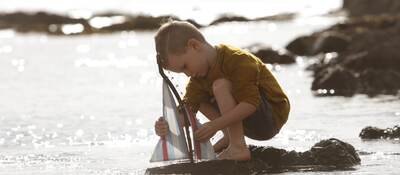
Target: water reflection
(110,62)
(9,33)
(85,14)
(100,22)
(6,49)
(69,29)
(83,48)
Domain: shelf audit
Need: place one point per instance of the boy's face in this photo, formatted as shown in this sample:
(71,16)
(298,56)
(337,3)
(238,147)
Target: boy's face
(192,62)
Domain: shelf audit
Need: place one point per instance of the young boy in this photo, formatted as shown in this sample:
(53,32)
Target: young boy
(230,86)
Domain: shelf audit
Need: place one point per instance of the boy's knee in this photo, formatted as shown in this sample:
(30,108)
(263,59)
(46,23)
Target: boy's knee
(221,85)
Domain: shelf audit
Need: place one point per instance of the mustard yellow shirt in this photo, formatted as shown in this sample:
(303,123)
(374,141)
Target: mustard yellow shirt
(247,74)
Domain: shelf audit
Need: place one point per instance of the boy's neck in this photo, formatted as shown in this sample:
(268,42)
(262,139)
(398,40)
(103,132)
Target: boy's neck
(212,56)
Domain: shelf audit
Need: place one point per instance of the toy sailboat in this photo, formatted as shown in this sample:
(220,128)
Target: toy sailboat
(174,146)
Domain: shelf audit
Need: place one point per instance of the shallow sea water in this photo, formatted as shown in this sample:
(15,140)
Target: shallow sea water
(87,104)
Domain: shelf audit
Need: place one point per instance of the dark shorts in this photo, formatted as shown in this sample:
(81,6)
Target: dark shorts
(261,124)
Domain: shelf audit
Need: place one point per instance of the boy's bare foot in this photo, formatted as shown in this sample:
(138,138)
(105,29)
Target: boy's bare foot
(240,153)
(221,144)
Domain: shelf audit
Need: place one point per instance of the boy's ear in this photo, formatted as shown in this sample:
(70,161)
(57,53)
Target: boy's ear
(193,43)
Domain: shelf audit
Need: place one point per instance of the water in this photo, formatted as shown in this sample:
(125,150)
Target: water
(87,104)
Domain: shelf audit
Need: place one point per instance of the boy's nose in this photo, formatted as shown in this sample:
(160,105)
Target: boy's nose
(187,73)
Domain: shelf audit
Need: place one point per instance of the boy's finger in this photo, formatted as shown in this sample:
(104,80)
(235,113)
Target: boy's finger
(162,121)
(198,134)
(164,125)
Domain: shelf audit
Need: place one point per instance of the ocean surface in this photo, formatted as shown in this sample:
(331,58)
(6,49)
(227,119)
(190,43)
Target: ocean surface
(87,104)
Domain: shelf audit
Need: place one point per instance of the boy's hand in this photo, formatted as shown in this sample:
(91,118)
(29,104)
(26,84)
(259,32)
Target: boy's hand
(161,127)
(205,132)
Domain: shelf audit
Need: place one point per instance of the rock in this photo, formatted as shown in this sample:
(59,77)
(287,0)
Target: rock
(370,7)
(330,154)
(302,46)
(54,24)
(366,61)
(334,152)
(229,18)
(375,81)
(377,133)
(335,81)
(143,23)
(208,167)
(139,23)
(330,42)
(271,56)
(234,18)
(278,17)
(40,22)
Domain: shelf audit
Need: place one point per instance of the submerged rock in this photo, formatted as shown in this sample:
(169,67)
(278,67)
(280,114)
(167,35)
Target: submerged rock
(331,154)
(377,133)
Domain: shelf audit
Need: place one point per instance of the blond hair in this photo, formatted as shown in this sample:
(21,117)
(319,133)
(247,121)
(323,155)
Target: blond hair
(172,38)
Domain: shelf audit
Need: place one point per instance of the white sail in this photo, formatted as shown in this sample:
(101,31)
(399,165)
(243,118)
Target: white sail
(173,146)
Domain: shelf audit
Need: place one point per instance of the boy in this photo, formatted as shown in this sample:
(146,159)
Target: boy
(231,87)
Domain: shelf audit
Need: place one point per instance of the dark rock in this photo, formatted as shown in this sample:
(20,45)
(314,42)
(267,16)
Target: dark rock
(207,167)
(229,18)
(371,7)
(331,42)
(375,81)
(372,133)
(144,23)
(139,23)
(377,133)
(366,61)
(331,154)
(335,152)
(53,24)
(271,56)
(341,81)
(39,22)
(278,17)
(233,18)
(302,46)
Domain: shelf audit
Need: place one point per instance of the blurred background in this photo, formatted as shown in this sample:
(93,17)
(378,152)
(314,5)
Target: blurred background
(80,91)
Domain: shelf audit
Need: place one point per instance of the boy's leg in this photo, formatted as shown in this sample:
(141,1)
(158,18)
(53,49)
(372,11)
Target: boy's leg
(211,113)
(237,149)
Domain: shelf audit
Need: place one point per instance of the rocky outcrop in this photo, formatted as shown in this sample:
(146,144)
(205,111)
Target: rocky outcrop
(302,46)
(377,133)
(366,58)
(58,25)
(371,7)
(39,22)
(271,56)
(325,42)
(234,18)
(331,154)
